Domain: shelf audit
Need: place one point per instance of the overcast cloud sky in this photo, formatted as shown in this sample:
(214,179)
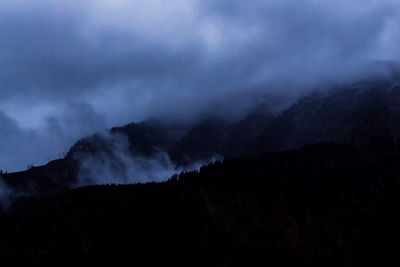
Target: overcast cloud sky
(70,68)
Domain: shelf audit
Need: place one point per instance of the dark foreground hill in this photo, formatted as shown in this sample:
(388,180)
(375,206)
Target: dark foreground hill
(323,205)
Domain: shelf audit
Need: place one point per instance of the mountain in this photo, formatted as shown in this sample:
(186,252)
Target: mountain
(351,114)
(359,113)
(200,143)
(242,134)
(57,175)
(145,138)
(315,185)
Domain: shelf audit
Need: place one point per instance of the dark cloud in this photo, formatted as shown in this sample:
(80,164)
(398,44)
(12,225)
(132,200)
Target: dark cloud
(21,146)
(130,60)
(7,125)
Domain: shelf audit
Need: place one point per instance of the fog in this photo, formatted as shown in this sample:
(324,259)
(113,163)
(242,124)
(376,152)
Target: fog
(119,166)
(69,69)
(5,194)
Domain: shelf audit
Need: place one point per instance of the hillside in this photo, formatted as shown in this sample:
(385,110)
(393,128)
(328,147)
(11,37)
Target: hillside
(324,205)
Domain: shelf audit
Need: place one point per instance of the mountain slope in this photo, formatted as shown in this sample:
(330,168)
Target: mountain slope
(358,113)
(324,205)
(350,114)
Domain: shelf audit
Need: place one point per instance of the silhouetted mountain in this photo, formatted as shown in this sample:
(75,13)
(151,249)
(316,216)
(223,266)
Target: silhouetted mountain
(54,176)
(329,204)
(202,142)
(350,114)
(143,138)
(241,135)
(361,113)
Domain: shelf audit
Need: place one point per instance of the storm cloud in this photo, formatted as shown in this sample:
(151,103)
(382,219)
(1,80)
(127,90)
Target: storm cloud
(71,68)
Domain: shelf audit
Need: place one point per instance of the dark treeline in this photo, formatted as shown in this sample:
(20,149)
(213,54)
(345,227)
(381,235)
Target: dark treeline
(323,205)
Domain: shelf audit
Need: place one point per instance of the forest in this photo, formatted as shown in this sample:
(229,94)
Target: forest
(323,205)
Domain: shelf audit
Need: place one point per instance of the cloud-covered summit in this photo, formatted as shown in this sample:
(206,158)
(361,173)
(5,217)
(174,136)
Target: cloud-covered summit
(123,61)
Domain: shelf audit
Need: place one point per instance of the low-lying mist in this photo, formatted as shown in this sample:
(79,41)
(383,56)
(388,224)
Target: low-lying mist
(117,165)
(6,193)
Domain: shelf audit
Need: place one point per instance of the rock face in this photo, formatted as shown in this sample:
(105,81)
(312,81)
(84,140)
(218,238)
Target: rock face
(200,143)
(246,131)
(353,114)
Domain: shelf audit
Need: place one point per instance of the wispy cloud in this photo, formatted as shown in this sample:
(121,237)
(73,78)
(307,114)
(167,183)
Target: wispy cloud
(130,60)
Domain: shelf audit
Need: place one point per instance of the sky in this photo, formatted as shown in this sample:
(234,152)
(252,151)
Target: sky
(72,68)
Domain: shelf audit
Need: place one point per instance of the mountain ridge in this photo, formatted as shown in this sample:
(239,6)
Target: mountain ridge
(357,113)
